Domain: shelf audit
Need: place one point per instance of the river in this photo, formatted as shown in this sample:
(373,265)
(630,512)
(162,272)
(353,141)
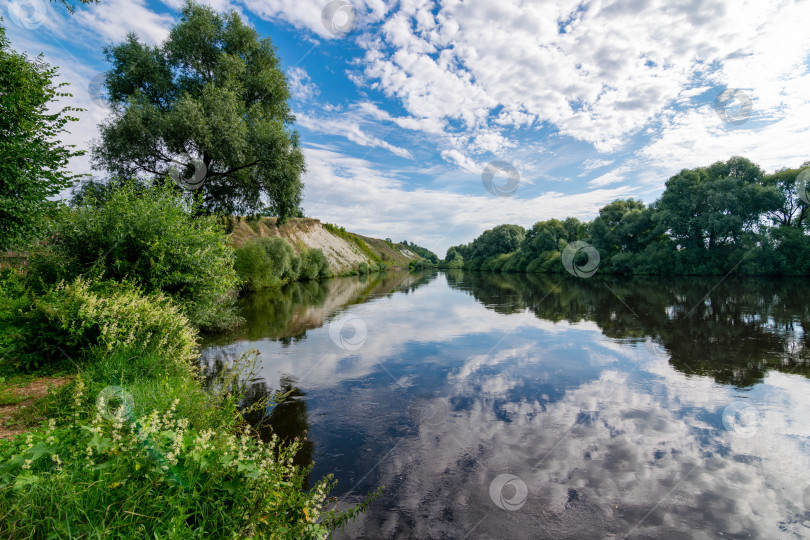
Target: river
(526,406)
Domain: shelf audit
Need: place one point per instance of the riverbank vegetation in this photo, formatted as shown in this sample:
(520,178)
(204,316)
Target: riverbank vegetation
(727,217)
(270,262)
(120,285)
(135,443)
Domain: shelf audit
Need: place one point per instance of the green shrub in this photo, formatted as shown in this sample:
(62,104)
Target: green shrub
(362,268)
(421,264)
(74,318)
(315,264)
(267,263)
(149,235)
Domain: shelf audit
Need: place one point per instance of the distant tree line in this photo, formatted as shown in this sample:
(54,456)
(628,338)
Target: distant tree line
(727,217)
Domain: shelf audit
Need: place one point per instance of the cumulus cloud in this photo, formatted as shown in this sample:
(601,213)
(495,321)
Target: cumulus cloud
(301,84)
(346,189)
(348,125)
(598,71)
(114,19)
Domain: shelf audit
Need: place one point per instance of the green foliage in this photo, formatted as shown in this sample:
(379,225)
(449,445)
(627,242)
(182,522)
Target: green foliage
(420,264)
(714,206)
(496,241)
(314,264)
(70,6)
(155,456)
(709,220)
(211,102)
(92,191)
(73,318)
(148,235)
(362,268)
(791,210)
(270,262)
(32,158)
(265,263)
(135,446)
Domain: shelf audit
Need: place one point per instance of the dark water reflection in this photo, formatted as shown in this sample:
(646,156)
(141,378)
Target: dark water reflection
(641,409)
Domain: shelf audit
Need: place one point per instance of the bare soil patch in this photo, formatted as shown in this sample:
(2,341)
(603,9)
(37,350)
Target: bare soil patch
(29,393)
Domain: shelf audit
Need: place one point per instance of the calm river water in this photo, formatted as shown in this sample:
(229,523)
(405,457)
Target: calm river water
(514,406)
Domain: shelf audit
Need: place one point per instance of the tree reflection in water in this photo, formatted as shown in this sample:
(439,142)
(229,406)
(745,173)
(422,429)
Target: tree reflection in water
(734,331)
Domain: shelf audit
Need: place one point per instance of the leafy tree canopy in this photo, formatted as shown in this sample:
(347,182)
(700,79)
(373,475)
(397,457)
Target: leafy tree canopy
(498,240)
(726,217)
(32,158)
(791,210)
(210,104)
(715,205)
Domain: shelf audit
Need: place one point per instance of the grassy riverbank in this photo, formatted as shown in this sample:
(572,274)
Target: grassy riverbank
(130,443)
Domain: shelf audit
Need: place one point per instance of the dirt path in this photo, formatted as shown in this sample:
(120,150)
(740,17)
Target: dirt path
(29,393)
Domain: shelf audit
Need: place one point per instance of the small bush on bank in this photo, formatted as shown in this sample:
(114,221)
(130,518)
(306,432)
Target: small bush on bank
(149,235)
(315,264)
(270,262)
(75,317)
(259,266)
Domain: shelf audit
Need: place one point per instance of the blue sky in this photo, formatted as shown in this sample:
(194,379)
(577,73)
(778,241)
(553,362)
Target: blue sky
(587,100)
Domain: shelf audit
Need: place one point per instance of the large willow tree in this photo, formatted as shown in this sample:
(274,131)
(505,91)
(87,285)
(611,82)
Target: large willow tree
(209,105)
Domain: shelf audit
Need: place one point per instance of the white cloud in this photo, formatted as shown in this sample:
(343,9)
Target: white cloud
(616,68)
(114,19)
(356,194)
(347,125)
(301,86)
(307,14)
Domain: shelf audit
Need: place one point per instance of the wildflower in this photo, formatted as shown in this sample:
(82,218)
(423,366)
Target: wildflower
(27,464)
